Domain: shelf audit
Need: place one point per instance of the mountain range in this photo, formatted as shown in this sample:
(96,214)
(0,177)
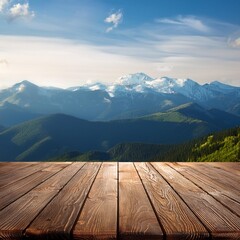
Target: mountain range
(135,114)
(131,96)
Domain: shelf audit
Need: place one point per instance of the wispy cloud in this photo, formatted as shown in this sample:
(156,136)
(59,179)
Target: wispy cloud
(14,11)
(190,22)
(115,19)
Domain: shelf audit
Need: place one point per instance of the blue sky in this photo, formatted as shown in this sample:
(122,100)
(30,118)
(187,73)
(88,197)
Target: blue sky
(70,42)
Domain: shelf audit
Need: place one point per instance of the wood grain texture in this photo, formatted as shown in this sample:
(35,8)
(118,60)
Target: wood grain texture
(19,173)
(60,215)
(169,207)
(230,167)
(135,201)
(98,219)
(15,174)
(7,166)
(217,175)
(137,219)
(221,222)
(12,192)
(17,216)
(227,196)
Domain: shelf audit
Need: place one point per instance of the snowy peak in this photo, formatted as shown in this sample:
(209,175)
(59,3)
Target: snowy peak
(142,83)
(25,83)
(89,86)
(166,84)
(173,82)
(134,79)
(22,86)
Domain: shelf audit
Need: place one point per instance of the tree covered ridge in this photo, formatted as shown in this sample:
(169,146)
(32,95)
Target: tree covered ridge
(222,146)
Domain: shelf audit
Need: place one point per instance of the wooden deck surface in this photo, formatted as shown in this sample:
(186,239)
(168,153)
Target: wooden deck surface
(119,200)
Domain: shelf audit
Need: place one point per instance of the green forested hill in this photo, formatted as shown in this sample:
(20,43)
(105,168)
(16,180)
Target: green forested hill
(139,139)
(126,152)
(123,152)
(219,147)
(222,146)
(52,136)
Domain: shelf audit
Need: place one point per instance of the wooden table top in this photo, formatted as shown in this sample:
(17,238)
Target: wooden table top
(97,200)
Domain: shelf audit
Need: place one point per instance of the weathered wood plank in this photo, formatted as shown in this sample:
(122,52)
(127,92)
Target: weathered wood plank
(216,174)
(98,219)
(137,219)
(167,196)
(3,164)
(15,218)
(60,215)
(219,191)
(11,192)
(13,166)
(14,174)
(220,221)
(230,167)
(10,166)
(177,219)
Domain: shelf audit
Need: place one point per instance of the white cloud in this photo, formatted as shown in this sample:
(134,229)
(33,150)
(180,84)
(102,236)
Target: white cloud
(20,11)
(115,19)
(190,22)
(13,11)
(3,4)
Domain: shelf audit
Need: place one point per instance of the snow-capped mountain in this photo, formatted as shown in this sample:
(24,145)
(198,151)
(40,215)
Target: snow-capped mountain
(142,83)
(129,96)
(134,79)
